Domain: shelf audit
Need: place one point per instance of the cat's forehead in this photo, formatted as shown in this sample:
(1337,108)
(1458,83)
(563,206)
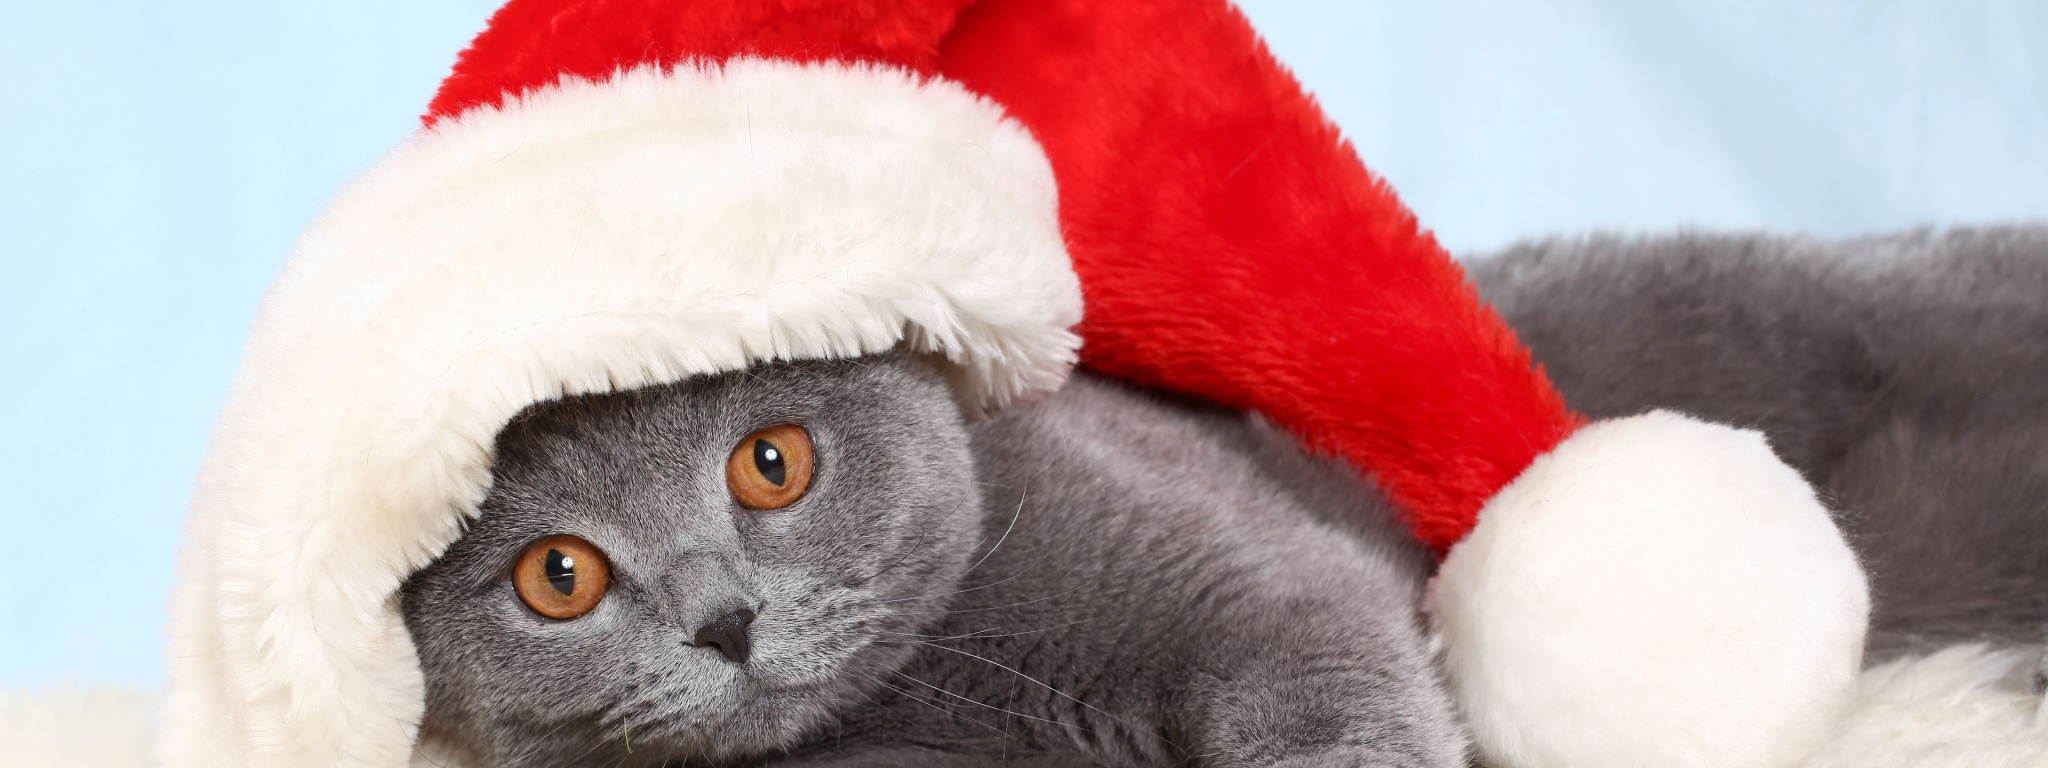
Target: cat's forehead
(669,435)
(629,468)
(721,402)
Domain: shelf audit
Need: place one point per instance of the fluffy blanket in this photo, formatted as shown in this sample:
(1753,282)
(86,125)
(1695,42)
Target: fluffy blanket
(1962,707)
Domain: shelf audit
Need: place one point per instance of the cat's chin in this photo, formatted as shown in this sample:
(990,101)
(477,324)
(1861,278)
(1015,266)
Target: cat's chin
(742,727)
(761,717)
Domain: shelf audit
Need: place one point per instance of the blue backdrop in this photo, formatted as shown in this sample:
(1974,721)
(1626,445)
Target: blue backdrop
(157,159)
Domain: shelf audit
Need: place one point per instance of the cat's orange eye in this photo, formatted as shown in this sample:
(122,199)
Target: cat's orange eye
(771,468)
(561,577)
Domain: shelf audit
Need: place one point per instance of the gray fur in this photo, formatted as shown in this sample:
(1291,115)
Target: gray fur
(1906,376)
(1119,578)
(1106,578)
(894,511)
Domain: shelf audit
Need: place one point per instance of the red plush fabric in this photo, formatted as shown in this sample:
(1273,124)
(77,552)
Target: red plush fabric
(1230,244)
(532,43)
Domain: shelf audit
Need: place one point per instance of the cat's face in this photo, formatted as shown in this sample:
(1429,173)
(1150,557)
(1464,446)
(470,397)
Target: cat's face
(655,482)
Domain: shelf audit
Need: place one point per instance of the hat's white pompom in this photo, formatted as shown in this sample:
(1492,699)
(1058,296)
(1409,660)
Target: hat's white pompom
(1657,591)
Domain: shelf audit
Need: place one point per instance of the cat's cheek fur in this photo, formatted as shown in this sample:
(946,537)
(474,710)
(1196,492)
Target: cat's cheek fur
(1661,577)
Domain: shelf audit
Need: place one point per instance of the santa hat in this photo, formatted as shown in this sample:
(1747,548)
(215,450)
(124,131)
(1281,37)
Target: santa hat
(616,194)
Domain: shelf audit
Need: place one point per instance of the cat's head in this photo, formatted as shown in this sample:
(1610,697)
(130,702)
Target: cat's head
(701,570)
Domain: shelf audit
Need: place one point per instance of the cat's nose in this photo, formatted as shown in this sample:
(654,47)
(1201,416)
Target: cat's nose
(728,634)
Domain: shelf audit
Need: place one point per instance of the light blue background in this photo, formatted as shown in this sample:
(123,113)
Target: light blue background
(157,158)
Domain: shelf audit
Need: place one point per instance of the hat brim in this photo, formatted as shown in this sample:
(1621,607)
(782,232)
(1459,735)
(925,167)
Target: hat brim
(590,236)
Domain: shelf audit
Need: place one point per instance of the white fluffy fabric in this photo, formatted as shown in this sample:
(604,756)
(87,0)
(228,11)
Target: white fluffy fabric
(589,237)
(1963,707)
(1657,591)
(71,727)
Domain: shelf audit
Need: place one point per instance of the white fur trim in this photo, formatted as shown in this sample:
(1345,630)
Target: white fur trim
(1657,591)
(1964,707)
(590,237)
(67,726)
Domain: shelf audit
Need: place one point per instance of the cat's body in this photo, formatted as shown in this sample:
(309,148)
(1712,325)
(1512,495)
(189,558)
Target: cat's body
(1172,580)
(1905,376)
(1114,577)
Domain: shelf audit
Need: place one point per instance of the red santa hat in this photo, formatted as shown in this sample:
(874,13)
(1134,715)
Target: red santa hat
(611,194)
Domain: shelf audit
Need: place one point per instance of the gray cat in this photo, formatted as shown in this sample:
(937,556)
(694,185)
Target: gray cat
(1117,577)
(1905,376)
(1109,577)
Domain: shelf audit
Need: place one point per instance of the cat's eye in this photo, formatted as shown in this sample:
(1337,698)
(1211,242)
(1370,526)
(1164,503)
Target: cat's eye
(771,468)
(561,577)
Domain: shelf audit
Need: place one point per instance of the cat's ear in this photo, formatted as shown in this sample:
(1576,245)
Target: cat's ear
(962,387)
(966,392)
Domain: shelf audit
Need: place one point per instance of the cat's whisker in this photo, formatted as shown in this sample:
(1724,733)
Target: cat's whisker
(922,636)
(539,744)
(983,634)
(835,637)
(921,540)
(914,548)
(976,702)
(1013,577)
(1014,516)
(594,744)
(922,533)
(922,700)
(621,760)
(1032,601)
(1057,692)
